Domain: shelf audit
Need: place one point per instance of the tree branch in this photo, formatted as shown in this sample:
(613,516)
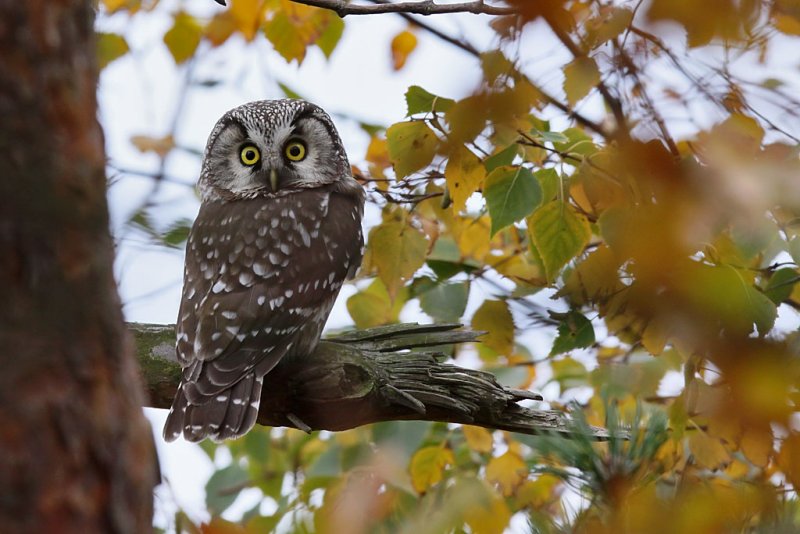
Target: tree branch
(379,374)
(422,7)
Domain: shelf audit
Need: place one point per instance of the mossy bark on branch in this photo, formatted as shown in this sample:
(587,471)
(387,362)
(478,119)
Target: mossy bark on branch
(379,374)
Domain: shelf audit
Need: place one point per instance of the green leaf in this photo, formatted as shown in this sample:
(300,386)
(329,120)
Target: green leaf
(559,234)
(411,145)
(183,38)
(580,77)
(574,332)
(397,250)
(257,444)
(569,373)
(550,137)
(496,65)
(511,193)
(727,294)
(224,486)
(794,249)
(578,142)
(289,92)
(781,284)
(418,100)
(549,182)
(330,37)
(110,47)
(445,302)
(177,233)
(504,157)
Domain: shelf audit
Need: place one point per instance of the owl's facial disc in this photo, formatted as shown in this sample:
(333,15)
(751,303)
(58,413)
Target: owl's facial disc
(270,146)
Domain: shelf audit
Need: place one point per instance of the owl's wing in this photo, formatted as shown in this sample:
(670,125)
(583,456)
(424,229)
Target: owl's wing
(272,295)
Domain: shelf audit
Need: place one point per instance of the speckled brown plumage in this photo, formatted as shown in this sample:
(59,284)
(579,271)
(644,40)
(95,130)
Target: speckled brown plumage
(263,267)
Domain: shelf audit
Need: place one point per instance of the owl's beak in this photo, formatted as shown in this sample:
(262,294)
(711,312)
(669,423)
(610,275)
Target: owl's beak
(273,179)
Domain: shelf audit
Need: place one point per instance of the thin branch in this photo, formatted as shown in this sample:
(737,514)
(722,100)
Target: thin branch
(423,7)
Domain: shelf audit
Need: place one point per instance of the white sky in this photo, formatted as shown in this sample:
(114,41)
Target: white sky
(139,95)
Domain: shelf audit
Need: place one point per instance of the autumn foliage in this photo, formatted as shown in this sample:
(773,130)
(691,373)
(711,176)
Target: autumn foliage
(645,218)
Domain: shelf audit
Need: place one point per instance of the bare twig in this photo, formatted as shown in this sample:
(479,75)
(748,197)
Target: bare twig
(422,7)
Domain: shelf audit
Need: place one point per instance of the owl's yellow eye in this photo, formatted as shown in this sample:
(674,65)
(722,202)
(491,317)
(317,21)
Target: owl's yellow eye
(249,155)
(295,151)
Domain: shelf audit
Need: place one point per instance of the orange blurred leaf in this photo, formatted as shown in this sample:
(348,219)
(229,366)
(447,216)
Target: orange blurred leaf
(403,45)
(159,145)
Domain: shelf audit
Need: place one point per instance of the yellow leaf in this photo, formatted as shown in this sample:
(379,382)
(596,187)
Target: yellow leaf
(465,174)
(411,146)
(113,6)
(708,451)
(402,45)
(247,15)
(294,28)
(479,439)
(374,307)
(655,335)
(490,517)
(472,236)
(539,492)
(507,471)
(593,279)
(495,318)
(378,158)
(467,118)
(110,47)
(159,145)
(427,466)
(183,38)
(397,250)
(580,77)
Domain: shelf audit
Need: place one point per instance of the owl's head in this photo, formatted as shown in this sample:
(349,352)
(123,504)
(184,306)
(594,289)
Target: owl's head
(272,146)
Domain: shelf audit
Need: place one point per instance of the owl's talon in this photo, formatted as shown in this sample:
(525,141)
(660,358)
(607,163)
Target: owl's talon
(298,423)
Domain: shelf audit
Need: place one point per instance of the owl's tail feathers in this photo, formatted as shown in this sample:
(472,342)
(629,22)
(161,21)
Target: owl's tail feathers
(230,414)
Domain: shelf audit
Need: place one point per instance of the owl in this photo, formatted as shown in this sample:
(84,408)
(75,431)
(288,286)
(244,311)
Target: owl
(278,232)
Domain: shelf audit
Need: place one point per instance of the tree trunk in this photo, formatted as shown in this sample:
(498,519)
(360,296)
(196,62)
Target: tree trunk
(76,453)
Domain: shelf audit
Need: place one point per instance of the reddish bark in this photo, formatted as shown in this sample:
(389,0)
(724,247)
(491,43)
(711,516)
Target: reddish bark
(76,454)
